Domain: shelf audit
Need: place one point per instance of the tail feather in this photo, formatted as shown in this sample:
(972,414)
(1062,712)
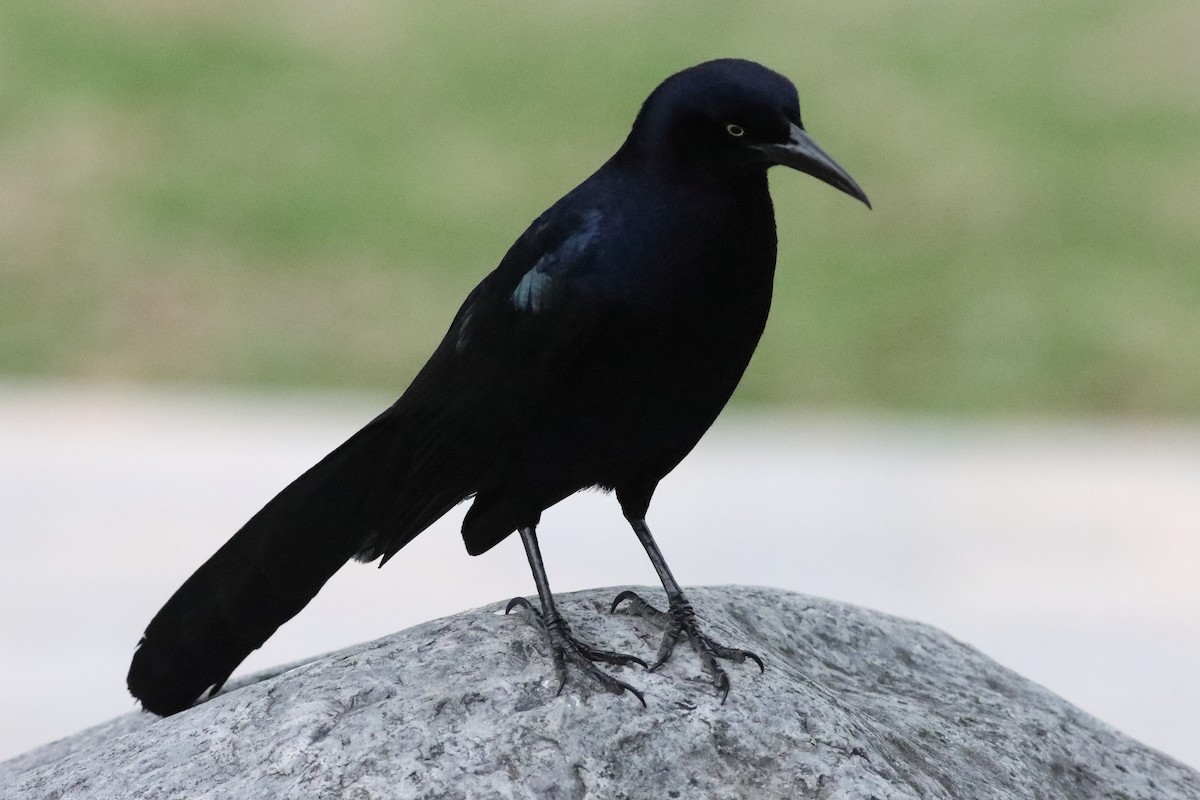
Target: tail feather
(277,563)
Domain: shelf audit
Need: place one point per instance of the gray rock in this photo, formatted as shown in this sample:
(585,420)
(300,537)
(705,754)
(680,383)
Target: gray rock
(853,704)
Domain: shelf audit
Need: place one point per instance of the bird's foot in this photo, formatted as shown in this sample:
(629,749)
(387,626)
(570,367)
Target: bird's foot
(679,619)
(564,647)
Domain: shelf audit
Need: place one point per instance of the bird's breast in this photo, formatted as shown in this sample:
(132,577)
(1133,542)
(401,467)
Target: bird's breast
(710,290)
(682,287)
(687,332)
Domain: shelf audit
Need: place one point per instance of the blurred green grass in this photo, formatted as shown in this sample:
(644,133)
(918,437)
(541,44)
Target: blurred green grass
(300,193)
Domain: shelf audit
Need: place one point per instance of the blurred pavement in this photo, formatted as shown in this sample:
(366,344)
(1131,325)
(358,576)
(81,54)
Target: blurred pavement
(1068,552)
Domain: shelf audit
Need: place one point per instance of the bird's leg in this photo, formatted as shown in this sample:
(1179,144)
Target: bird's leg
(679,619)
(563,646)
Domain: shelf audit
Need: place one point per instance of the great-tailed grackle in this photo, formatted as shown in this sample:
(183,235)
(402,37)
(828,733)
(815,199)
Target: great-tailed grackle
(596,354)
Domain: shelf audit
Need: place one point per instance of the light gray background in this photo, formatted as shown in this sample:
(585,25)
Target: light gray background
(1069,552)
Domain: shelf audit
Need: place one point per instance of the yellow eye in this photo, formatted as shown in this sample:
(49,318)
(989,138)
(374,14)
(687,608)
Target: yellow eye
(735,130)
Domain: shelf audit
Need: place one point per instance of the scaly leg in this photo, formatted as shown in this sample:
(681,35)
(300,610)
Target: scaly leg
(679,619)
(563,646)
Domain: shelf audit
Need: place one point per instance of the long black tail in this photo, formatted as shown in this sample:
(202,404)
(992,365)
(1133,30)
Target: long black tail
(347,504)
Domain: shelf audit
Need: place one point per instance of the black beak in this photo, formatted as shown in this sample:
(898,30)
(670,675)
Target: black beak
(802,153)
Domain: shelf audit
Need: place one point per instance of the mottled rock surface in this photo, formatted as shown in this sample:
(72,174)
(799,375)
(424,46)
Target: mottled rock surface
(853,704)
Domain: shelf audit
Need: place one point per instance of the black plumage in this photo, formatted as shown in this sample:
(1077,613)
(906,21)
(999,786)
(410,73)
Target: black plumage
(596,354)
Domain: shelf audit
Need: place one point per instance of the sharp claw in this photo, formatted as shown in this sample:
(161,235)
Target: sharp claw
(626,687)
(608,656)
(739,656)
(680,620)
(623,660)
(515,602)
(622,597)
(670,639)
(565,647)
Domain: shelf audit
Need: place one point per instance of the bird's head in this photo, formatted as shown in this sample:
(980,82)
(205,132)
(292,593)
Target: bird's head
(731,115)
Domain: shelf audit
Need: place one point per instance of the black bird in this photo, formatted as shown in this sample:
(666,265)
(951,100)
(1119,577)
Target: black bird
(596,354)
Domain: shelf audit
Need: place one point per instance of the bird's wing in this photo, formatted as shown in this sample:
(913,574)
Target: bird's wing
(529,322)
(393,478)
(531,317)
(545,284)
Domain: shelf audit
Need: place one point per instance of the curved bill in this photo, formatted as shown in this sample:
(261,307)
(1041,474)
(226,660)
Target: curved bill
(802,153)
